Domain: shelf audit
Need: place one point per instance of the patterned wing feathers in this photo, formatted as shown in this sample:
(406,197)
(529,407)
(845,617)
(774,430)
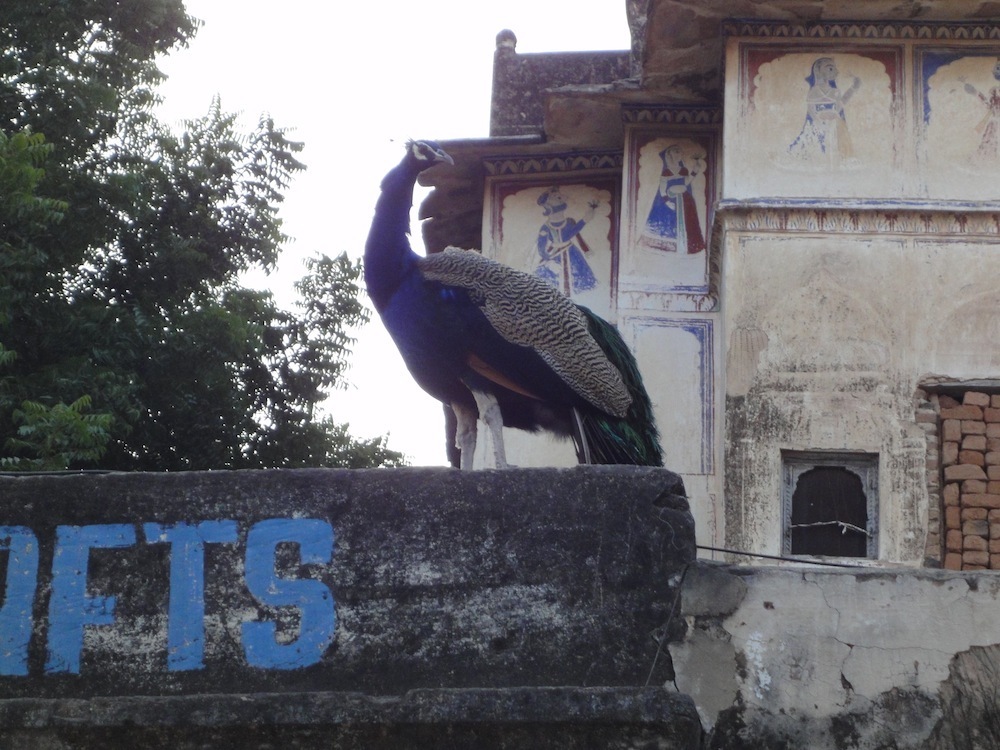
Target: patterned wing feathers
(527,311)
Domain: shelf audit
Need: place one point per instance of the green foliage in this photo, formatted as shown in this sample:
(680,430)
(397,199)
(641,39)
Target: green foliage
(121,249)
(54,438)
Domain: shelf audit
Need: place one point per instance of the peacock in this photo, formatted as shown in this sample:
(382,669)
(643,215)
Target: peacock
(501,346)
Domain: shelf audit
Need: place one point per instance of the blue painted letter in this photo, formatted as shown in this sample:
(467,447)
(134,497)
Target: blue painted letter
(70,609)
(15,614)
(186,615)
(313,599)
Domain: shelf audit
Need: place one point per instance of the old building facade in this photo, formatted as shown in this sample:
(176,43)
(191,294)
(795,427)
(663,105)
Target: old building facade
(791,215)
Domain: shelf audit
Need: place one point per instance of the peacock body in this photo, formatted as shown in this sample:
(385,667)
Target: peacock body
(502,346)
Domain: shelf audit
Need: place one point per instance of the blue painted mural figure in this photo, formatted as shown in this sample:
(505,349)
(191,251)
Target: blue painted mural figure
(561,249)
(989,127)
(673,223)
(824,132)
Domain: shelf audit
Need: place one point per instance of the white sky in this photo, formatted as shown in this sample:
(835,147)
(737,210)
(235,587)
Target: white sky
(354,81)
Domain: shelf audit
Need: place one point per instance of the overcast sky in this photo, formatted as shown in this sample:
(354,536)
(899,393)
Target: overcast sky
(354,81)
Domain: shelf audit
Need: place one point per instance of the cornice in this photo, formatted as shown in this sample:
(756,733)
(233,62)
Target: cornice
(935,31)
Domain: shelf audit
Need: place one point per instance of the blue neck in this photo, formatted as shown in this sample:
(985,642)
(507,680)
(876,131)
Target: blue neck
(388,255)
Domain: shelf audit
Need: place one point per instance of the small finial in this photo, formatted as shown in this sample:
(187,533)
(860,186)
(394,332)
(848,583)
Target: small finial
(506,40)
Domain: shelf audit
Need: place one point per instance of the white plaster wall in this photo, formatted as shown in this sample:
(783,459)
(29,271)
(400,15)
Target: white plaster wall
(806,644)
(827,337)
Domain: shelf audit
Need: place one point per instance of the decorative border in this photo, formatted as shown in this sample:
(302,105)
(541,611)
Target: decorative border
(926,31)
(703,329)
(536,164)
(671,115)
(861,221)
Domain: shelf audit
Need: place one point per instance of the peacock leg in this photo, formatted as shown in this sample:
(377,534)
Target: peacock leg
(465,434)
(489,412)
(583,447)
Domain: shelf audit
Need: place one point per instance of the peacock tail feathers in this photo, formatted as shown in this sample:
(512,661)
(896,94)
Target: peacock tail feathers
(632,438)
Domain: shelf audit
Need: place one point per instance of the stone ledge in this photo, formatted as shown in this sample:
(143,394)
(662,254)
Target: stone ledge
(641,706)
(485,719)
(381,582)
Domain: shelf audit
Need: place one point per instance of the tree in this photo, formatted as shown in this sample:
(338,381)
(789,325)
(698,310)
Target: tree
(121,305)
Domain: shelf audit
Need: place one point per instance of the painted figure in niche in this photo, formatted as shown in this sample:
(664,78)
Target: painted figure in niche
(824,133)
(674,223)
(561,249)
(989,127)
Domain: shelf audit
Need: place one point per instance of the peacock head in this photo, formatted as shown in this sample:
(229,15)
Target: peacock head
(426,154)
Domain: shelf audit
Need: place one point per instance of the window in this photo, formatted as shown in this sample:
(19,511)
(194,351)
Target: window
(830,504)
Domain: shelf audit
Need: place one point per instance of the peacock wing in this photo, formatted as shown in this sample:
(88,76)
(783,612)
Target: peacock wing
(526,311)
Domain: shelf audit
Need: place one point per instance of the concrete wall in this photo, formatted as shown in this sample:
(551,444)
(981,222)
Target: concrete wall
(375,608)
(833,659)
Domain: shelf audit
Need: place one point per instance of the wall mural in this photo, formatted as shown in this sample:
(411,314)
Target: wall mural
(960,121)
(862,112)
(817,122)
(563,229)
(670,192)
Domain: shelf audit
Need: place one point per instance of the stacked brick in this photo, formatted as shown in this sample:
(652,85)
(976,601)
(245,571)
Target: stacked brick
(970,458)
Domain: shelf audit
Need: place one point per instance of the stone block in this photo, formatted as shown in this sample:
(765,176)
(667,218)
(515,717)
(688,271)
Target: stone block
(973,427)
(993,472)
(964,412)
(991,415)
(993,430)
(953,540)
(951,430)
(992,458)
(975,557)
(960,472)
(975,543)
(953,561)
(981,501)
(974,486)
(995,562)
(949,453)
(994,543)
(947,402)
(950,494)
(975,398)
(974,442)
(975,458)
(975,528)
(952,517)
(994,516)
(974,514)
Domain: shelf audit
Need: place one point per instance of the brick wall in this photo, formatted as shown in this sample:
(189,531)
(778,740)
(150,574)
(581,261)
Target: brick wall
(970,459)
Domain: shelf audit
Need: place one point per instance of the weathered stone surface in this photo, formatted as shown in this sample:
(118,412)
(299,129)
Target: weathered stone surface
(711,589)
(836,659)
(960,472)
(475,718)
(437,578)
(962,413)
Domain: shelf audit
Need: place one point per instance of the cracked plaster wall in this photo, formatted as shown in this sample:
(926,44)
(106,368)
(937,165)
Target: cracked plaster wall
(827,658)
